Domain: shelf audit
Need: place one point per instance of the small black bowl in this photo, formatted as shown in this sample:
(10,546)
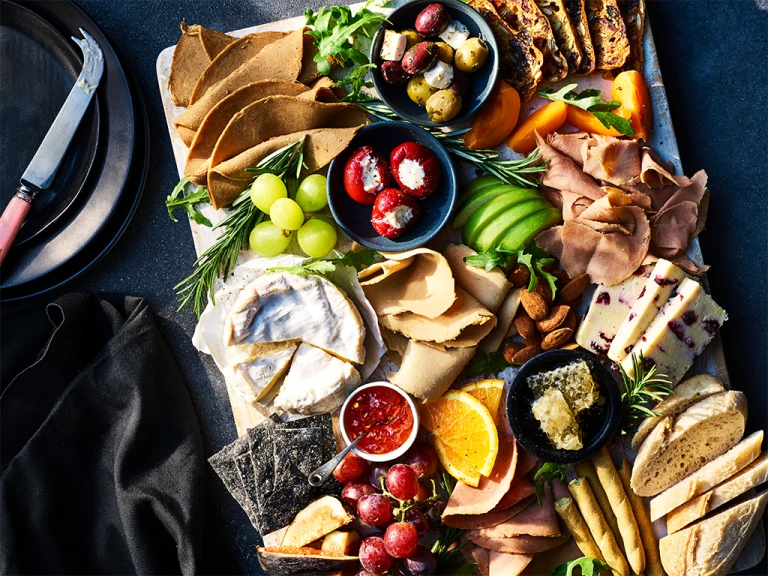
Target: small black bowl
(526,428)
(355,218)
(479,83)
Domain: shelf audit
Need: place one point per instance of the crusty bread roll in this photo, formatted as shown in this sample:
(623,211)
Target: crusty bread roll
(710,547)
(678,447)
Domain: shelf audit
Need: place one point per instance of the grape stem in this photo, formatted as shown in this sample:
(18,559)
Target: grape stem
(405,506)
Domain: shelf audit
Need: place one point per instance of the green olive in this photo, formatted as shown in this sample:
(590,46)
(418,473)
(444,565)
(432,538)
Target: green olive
(471,55)
(411,37)
(419,91)
(446,53)
(443,105)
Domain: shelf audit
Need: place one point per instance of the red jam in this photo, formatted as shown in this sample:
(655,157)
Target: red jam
(384,413)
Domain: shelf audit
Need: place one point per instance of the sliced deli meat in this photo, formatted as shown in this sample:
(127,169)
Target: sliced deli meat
(535,520)
(518,544)
(502,564)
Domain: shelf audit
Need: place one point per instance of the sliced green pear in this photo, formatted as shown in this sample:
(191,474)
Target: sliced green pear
(478,200)
(491,235)
(476,184)
(526,230)
(488,212)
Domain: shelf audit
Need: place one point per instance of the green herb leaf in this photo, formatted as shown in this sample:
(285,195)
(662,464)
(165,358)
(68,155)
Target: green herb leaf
(357,260)
(592,101)
(549,471)
(644,385)
(489,260)
(587,565)
(320,267)
(188,201)
(356,81)
(360,259)
(484,364)
(466,570)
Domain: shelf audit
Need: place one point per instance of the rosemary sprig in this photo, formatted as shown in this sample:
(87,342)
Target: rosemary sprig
(220,258)
(515,172)
(644,385)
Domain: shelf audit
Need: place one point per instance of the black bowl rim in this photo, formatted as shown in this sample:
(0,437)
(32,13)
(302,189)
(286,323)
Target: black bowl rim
(487,36)
(445,161)
(607,383)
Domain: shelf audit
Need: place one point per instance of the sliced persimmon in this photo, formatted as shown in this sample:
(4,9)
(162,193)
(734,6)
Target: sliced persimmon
(588,122)
(629,88)
(496,119)
(545,120)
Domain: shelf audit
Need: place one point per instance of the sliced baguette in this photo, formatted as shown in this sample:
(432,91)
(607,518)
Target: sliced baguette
(717,471)
(686,394)
(677,448)
(751,476)
(710,547)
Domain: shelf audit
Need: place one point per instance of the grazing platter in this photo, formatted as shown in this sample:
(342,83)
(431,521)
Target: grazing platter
(455,241)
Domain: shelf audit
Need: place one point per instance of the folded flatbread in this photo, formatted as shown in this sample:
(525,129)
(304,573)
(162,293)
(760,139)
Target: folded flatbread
(197,47)
(489,288)
(427,372)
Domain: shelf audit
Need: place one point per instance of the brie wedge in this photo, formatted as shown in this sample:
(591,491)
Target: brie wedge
(316,382)
(284,307)
(254,368)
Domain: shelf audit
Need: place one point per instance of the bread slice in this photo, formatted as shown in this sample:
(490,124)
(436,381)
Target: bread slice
(562,29)
(609,35)
(577,14)
(751,476)
(720,469)
(678,447)
(633,14)
(710,547)
(686,393)
(525,15)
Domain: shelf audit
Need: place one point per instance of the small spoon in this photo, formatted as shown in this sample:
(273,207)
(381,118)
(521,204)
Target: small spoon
(320,475)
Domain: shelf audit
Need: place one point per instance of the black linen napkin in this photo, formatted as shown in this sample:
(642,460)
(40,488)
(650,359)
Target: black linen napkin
(101,461)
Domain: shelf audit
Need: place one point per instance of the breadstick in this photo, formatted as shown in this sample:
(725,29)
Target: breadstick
(578,528)
(601,532)
(586,470)
(653,565)
(630,535)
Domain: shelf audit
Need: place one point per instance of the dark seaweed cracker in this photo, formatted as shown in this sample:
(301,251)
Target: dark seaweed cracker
(223,463)
(245,469)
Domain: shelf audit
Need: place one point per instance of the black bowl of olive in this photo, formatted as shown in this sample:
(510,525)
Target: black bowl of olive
(436,62)
(564,405)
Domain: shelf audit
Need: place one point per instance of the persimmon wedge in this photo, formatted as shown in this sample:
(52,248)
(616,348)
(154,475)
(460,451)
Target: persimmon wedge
(497,118)
(545,120)
(587,122)
(629,88)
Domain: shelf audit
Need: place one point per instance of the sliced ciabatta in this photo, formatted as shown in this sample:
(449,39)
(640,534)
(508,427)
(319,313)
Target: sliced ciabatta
(751,476)
(678,447)
(717,471)
(686,394)
(710,547)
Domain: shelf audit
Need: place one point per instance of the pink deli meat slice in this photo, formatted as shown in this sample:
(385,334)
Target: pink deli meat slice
(535,520)
(502,564)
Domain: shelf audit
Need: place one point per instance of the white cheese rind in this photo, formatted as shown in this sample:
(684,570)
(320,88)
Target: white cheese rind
(393,46)
(316,383)
(455,34)
(254,368)
(680,331)
(440,75)
(609,307)
(664,279)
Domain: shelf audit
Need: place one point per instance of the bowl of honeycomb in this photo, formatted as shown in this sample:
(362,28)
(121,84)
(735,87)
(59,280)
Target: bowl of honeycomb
(564,405)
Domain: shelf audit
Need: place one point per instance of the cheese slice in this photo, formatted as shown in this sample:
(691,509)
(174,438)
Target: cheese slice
(254,368)
(284,307)
(665,277)
(393,46)
(455,34)
(316,382)
(609,307)
(680,331)
(440,75)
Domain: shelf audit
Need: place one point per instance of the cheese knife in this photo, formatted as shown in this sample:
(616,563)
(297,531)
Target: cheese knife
(41,170)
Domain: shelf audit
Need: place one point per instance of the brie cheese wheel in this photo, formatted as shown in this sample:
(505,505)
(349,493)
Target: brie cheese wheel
(284,307)
(316,382)
(254,368)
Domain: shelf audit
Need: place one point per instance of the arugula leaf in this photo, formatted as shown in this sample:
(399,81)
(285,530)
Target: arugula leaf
(334,29)
(489,260)
(356,81)
(466,570)
(357,260)
(591,100)
(178,199)
(360,259)
(548,472)
(531,256)
(484,364)
(587,564)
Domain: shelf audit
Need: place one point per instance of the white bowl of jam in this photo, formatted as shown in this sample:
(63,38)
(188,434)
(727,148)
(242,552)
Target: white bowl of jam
(388,416)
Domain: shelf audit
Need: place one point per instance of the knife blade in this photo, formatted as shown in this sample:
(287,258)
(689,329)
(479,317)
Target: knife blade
(42,169)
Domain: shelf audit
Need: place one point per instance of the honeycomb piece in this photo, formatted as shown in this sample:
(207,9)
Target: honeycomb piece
(557,420)
(575,382)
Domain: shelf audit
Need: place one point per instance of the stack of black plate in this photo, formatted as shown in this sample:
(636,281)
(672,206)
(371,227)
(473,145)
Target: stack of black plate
(96,191)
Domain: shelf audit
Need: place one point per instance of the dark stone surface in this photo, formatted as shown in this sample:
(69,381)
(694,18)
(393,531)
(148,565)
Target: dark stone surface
(713,57)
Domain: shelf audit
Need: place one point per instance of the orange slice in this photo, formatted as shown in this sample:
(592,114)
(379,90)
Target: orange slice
(489,392)
(466,433)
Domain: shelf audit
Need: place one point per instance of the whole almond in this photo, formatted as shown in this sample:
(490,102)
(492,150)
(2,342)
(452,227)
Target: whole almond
(570,321)
(574,288)
(562,276)
(534,304)
(543,288)
(526,327)
(556,317)
(569,346)
(556,339)
(520,276)
(510,349)
(525,354)
(534,340)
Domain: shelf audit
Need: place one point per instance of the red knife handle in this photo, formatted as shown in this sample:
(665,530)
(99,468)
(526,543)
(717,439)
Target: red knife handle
(13,217)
